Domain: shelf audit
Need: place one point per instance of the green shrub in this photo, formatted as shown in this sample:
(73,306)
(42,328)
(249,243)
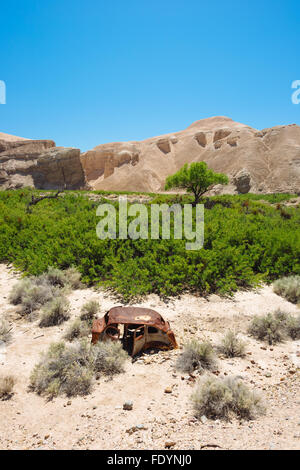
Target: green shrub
(64,370)
(89,310)
(196,355)
(5,331)
(78,329)
(232,346)
(243,246)
(289,288)
(7,384)
(110,357)
(218,398)
(267,327)
(55,312)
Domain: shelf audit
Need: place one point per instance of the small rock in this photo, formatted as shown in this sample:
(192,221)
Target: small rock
(203,419)
(128,405)
(138,427)
(169,444)
(168,390)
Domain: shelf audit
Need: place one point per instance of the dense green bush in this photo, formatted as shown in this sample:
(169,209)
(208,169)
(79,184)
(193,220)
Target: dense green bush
(246,241)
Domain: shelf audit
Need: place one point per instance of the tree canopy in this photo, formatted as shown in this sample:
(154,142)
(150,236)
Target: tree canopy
(195,178)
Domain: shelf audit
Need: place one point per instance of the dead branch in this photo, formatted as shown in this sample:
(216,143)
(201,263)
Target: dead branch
(36,200)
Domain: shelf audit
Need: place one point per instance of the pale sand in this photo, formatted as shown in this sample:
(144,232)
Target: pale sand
(98,421)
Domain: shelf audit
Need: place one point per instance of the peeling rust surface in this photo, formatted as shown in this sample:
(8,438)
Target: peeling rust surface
(138,334)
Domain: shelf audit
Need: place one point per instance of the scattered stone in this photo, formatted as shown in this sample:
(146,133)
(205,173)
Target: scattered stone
(203,419)
(128,405)
(168,390)
(169,444)
(138,427)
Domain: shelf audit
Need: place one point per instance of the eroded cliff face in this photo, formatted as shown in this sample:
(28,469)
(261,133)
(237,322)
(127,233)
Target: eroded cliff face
(38,163)
(256,161)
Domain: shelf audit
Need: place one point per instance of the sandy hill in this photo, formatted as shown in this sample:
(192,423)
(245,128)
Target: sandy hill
(266,160)
(10,138)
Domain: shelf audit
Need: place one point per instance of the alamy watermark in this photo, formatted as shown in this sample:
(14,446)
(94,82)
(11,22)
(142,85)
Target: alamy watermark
(136,221)
(296,94)
(2,92)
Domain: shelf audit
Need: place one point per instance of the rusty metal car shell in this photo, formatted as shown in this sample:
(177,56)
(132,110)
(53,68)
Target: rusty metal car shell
(135,316)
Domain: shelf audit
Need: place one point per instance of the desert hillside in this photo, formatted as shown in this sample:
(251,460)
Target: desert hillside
(266,161)
(257,161)
(10,138)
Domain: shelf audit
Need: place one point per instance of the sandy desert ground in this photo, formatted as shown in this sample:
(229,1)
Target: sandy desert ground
(98,421)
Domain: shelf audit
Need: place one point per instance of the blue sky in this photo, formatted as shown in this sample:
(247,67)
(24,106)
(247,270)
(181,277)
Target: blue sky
(86,72)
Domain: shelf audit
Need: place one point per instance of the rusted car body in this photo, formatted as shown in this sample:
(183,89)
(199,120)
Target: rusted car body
(137,328)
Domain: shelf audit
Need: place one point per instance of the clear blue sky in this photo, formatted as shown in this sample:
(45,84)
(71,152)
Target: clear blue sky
(86,72)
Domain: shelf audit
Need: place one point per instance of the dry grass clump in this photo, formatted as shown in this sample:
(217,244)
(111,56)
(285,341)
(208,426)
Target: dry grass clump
(64,370)
(19,290)
(267,327)
(7,384)
(109,357)
(55,312)
(289,288)
(34,292)
(218,398)
(232,346)
(77,329)
(35,297)
(73,278)
(67,278)
(196,355)
(89,310)
(275,327)
(69,368)
(293,327)
(5,331)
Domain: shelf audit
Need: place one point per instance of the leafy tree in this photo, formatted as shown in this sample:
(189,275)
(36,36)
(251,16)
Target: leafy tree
(196,179)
